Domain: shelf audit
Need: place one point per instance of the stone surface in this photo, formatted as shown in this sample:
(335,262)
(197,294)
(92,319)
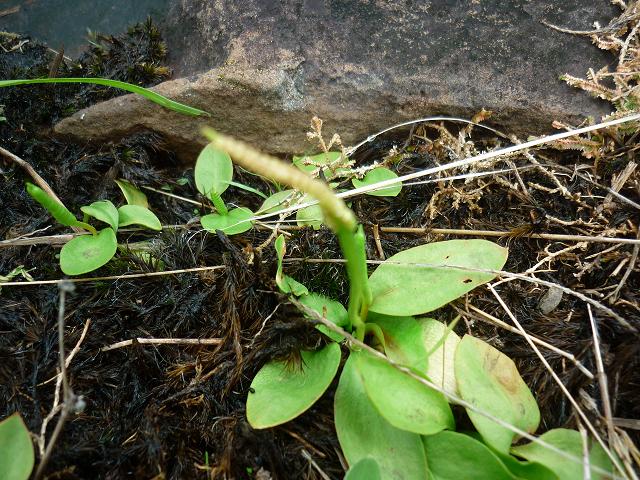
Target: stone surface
(264,68)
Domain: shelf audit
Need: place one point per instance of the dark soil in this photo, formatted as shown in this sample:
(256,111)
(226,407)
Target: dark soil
(177,411)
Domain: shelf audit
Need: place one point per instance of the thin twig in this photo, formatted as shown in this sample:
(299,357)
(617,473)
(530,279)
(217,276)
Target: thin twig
(163,341)
(313,463)
(173,195)
(563,388)
(56,395)
(586,468)
(632,264)
(507,234)
(487,317)
(602,380)
(68,397)
(35,176)
(113,277)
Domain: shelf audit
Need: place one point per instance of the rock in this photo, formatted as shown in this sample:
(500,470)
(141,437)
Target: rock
(264,68)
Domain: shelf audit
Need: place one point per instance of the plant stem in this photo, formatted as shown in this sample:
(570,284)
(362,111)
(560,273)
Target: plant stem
(68,396)
(221,208)
(353,249)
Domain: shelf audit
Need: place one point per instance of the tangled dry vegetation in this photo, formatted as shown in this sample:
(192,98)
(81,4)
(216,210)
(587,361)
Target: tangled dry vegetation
(569,212)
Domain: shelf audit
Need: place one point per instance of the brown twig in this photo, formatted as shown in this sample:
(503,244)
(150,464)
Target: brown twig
(163,341)
(632,264)
(488,318)
(35,176)
(112,277)
(70,402)
(497,233)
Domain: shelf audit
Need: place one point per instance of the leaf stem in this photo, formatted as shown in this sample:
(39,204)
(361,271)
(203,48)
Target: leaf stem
(221,208)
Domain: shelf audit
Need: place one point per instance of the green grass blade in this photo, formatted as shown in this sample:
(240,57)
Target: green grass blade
(148,94)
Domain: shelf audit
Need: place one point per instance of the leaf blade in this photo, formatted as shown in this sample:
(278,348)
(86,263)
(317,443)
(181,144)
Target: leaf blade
(331,309)
(86,253)
(569,441)
(213,171)
(137,215)
(55,208)
(363,433)
(132,194)
(489,380)
(403,401)
(145,92)
(398,285)
(365,469)
(278,394)
(104,211)
(376,175)
(16,449)
(236,221)
(455,456)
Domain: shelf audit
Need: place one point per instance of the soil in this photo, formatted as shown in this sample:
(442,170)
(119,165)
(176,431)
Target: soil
(177,411)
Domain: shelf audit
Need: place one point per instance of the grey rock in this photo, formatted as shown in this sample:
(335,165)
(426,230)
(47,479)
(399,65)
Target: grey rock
(264,68)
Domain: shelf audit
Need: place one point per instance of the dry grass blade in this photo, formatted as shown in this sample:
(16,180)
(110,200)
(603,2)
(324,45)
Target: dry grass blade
(163,341)
(113,277)
(486,317)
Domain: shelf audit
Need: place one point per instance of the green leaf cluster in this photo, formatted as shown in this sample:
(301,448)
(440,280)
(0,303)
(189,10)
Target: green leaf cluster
(86,253)
(391,425)
(330,166)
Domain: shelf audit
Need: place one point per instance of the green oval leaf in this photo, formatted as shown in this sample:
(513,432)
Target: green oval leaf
(365,469)
(403,285)
(454,456)
(363,433)
(213,172)
(376,175)
(137,215)
(402,400)
(132,194)
(148,94)
(275,202)
(236,221)
(309,216)
(280,393)
(55,208)
(403,340)
(308,163)
(104,211)
(88,252)
(16,449)
(286,283)
(569,441)
(441,343)
(489,380)
(331,310)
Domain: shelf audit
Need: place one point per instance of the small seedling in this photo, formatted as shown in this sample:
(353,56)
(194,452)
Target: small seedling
(213,175)
(86,253)
(332,166)
(16,449)
(389,424)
